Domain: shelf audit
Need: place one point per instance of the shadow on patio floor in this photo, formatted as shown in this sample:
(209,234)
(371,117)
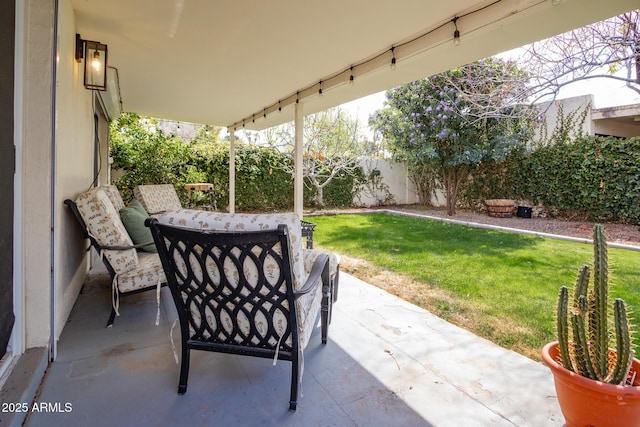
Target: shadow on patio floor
(387,363)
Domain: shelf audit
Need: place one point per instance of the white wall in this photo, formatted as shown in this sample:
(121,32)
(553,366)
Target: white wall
(395,176)
(569,105)
(35,169)
(72,171)
(616,128)
(74,166)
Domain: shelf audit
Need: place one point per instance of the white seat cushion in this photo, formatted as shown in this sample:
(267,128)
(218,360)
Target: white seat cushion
(209,220)
(104,224)
(310,256)
(157,198)
(148,273)
(114,196)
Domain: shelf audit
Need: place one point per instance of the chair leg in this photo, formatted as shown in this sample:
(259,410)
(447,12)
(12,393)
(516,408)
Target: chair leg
(334,292)
(184,369)
(112,318)
(331,300)
(325,312)
(293,400)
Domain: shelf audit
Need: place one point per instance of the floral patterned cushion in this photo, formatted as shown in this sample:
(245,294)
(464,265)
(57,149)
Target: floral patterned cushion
(235,311)
(157,198)
(307,306)
(210,220)
(104,224)
(314,301)
(310,256)
(307,309)
(114,196)
(147,274)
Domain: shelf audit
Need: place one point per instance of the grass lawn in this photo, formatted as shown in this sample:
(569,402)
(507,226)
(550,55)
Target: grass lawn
(502,286)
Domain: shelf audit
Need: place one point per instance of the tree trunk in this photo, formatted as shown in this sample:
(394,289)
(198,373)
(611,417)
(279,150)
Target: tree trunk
(319,196)
(451,178)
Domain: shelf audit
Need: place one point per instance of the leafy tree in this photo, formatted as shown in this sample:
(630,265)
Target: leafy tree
(455,120)
(144,154)
(333,147)
(148,156)
(207,135)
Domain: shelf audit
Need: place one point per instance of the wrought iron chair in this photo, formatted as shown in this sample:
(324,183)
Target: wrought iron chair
(96,211)
(236,292)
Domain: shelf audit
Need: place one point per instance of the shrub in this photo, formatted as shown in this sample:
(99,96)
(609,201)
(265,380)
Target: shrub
(593,177)
(145,155)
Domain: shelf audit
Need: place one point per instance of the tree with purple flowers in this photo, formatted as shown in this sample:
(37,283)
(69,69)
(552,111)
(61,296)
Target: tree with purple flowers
(451,122)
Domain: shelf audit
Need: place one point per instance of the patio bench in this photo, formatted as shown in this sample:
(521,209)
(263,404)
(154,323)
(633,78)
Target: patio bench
(131,270)
(243,284)
(159,198)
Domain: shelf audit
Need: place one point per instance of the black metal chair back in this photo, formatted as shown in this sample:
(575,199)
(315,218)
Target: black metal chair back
(233,292)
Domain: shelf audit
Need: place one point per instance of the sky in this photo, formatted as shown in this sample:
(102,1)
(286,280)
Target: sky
(362,108)
(359,109)
(607,93)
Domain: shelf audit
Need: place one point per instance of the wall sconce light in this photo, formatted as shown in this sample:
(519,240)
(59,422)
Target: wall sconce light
(95,63)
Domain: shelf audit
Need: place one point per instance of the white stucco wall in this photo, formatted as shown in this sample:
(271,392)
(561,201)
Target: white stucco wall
(35,169)
(618,121)
(74,166)
(70,172)
(395,177)
(73,170)
(569,106)
(615,128)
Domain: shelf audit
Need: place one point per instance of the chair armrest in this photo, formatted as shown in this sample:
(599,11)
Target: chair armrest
(122,248)
(320,270)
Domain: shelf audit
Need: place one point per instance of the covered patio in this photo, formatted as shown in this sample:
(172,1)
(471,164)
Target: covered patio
(244,65)
(387,363)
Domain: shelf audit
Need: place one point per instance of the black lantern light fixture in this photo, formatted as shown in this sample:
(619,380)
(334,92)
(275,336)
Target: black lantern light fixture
(95,63)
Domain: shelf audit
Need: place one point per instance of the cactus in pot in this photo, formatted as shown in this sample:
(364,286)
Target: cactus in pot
(583,333)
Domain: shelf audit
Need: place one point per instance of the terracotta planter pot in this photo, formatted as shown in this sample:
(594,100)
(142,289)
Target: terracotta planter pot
(585,402)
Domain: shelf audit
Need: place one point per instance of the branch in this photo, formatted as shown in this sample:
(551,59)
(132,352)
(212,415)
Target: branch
(601,49)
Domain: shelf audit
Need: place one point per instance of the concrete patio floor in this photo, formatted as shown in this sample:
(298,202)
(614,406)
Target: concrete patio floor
(387,363)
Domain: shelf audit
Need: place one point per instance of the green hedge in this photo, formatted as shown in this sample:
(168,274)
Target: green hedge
(596,178)
(261,182)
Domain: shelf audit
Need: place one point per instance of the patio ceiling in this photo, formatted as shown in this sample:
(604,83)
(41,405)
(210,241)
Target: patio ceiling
(225,62)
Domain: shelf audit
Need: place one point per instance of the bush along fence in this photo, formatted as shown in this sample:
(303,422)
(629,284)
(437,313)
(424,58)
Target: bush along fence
(596,178)
(592,177)
(261,183)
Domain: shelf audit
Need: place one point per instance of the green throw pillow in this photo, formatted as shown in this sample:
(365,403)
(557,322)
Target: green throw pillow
(135,204)
(133,217)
